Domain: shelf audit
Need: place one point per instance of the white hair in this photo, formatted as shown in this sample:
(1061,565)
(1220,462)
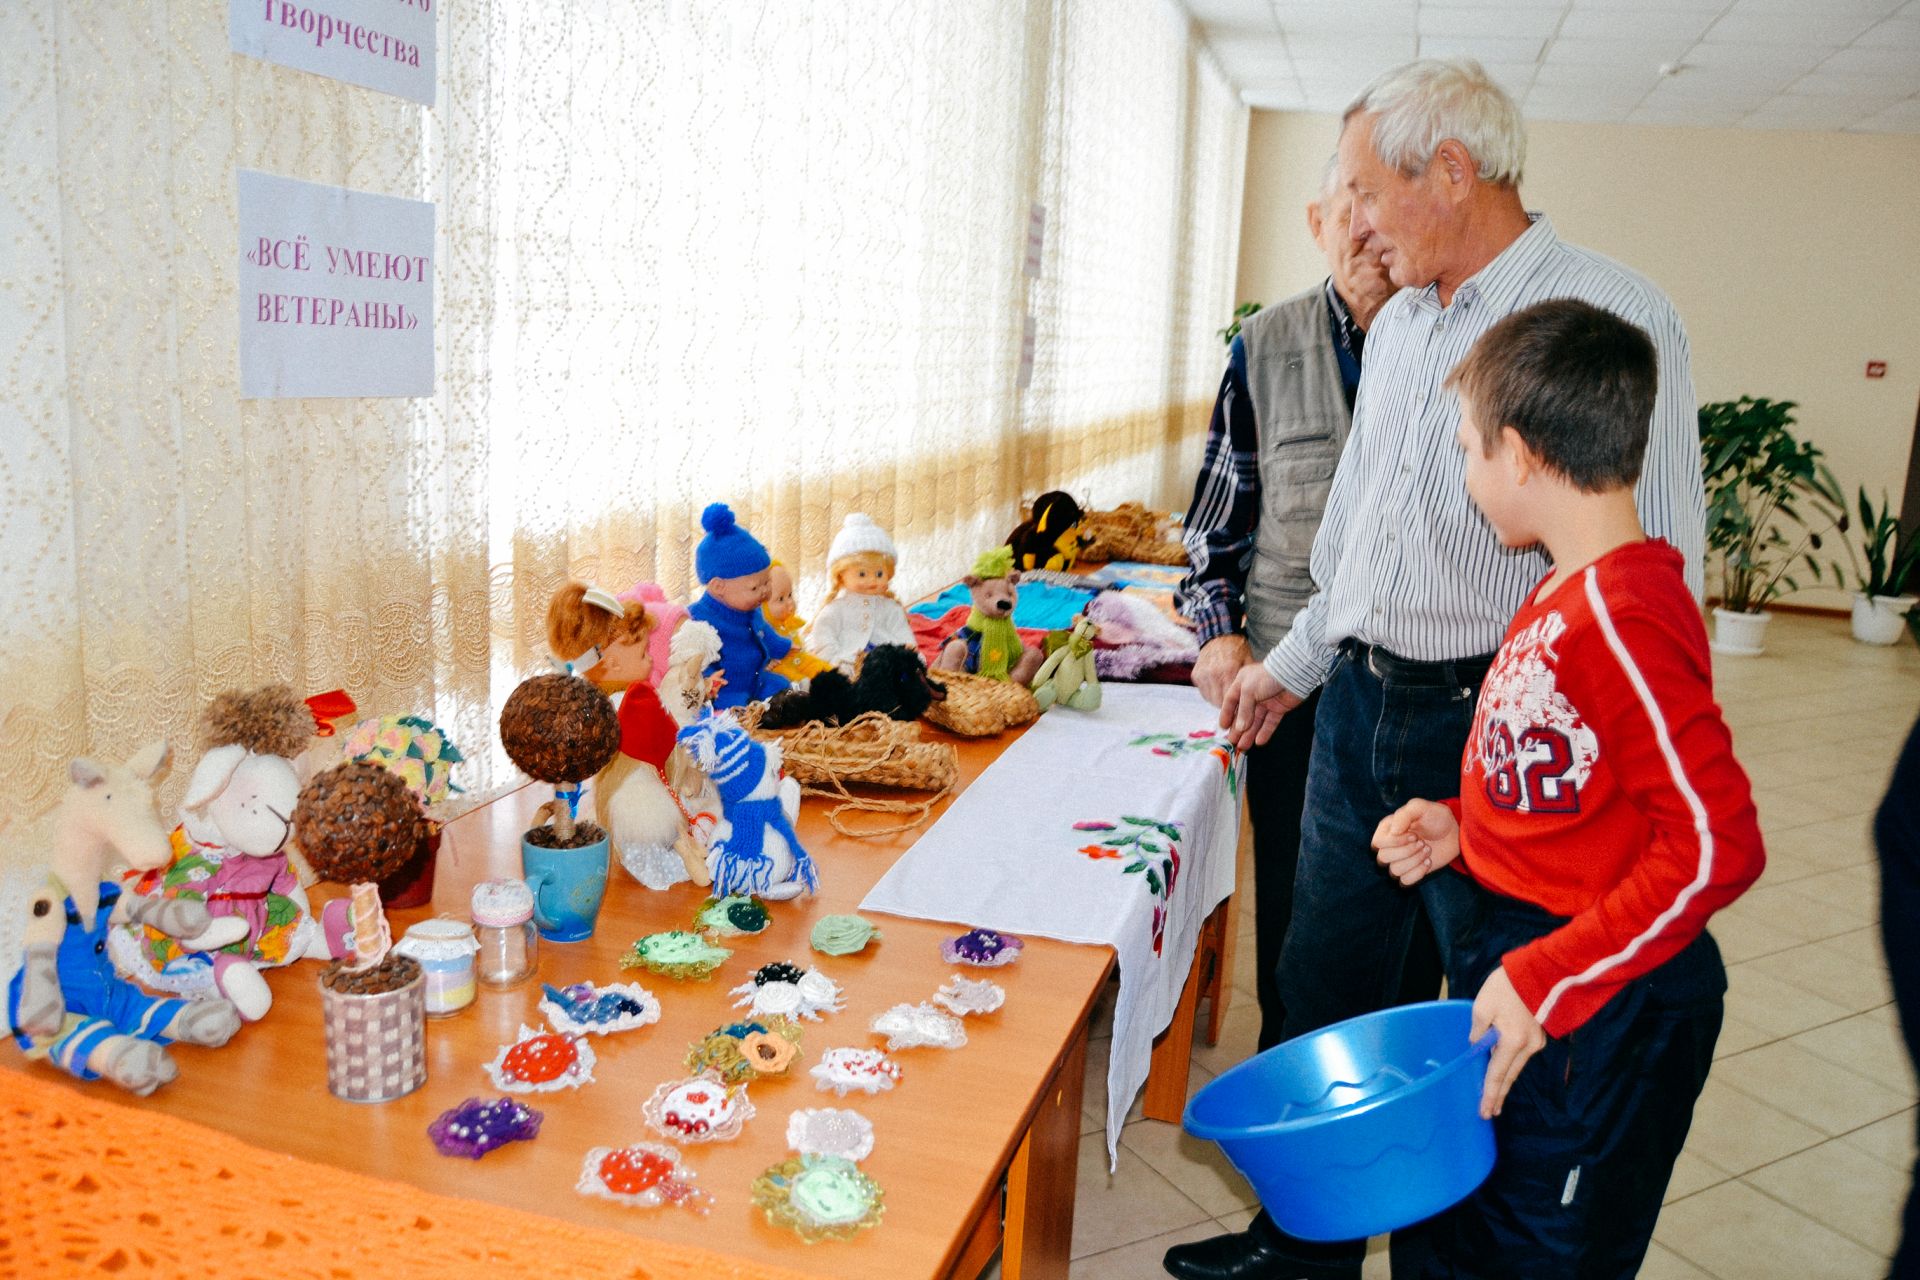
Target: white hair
(1329,181)
(1418,106)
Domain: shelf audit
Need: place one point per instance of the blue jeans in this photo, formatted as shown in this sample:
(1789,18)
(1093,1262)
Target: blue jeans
(1358,941)
(1377,743)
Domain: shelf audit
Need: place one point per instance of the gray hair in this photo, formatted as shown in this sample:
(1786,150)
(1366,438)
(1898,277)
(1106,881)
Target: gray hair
(1418,106)
(1329,180)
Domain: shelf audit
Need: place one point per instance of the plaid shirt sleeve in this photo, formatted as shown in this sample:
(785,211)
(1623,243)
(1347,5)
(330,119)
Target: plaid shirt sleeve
(1225,509)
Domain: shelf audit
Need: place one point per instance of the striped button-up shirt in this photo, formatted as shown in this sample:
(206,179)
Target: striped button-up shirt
(1403,559)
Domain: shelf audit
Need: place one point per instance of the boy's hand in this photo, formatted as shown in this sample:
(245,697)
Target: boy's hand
(1499,1006)
(1251,708)
(1419,837)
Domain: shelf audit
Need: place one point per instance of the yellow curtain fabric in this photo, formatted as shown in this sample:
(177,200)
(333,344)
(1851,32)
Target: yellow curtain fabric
(767,253)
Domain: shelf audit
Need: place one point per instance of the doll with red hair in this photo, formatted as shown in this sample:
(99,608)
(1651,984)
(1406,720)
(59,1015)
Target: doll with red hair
(607,640)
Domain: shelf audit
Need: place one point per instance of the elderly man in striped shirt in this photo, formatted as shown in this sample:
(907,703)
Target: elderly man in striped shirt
(1414,589)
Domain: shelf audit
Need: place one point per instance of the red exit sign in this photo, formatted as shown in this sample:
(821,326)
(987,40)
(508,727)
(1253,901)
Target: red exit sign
(1876,368)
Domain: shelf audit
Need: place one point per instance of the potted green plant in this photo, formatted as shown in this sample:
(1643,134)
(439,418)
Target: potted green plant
(1881,605)
(1241,312)
(1770,498)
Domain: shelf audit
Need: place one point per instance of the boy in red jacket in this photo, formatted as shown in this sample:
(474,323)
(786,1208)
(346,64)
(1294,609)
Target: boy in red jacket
(1602,818)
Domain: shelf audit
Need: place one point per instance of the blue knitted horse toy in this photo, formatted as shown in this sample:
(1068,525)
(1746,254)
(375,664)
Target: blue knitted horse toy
(753,849)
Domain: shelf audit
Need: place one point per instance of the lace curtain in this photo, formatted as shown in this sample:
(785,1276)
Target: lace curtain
(766,253)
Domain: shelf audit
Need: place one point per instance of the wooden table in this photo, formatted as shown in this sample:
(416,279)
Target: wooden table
(975,1147)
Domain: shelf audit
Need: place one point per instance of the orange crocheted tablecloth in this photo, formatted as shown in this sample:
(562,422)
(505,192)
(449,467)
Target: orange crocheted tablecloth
(91,1187)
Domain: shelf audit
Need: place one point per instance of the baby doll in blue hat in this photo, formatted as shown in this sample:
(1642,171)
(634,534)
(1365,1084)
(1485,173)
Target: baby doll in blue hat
(733,565)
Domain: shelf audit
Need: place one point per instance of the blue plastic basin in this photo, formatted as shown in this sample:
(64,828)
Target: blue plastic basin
(1360,1128)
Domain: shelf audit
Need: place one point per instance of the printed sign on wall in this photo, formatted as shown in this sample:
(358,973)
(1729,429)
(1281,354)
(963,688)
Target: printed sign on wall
(382,44)
(336,291)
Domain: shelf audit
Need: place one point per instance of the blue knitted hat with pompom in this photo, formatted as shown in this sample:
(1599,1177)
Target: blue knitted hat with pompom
(728,551)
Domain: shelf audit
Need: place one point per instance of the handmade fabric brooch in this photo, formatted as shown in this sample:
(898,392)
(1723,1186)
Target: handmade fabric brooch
(842,935)
(700,1108)
(742,1050)
(844,1070)
(542,1061)
(966,996)
(584,1009)
(783,990)
(982,947)
(819,1197)
(480,1125)
(909,1026)
(675,954)
(645,1175)
(731,916)
(830,1131)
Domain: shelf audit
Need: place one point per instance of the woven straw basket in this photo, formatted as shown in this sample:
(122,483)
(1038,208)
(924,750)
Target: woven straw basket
(978,707)
(872,748)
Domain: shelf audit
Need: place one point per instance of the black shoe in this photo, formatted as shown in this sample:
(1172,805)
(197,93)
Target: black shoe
(1247,1255)
(1237,1256)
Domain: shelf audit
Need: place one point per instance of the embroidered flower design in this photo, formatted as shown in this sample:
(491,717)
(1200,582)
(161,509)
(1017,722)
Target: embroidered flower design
(1152,848)
(1212,742)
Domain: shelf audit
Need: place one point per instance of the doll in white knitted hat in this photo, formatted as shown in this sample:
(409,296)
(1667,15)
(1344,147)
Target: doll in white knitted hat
(861,610)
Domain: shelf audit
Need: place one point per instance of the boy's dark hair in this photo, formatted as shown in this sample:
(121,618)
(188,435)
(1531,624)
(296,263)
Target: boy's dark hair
(1575,381)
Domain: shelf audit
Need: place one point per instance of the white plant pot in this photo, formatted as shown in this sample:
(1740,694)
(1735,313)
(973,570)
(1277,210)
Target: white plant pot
(1740,635)
(1880,619)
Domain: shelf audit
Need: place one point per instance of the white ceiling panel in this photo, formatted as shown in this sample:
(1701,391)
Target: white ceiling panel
(1656,24)
(1871,8)
(1484,48)
(1894,33)
(1782,28)
(1233,15)
(1616,53)
(1448,20)
(1377,51)
(1766,64)
(1903,117)
(1861,61)
(1791,59)
(1384,16)
(1652,6)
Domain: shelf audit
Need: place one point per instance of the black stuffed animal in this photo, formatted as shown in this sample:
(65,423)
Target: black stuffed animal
(1051,537)
(893,679)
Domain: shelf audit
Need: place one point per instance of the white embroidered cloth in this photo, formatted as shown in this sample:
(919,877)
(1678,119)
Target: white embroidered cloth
(1072,833)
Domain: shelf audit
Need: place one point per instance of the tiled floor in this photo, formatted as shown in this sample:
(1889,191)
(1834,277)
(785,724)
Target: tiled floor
(1797,1164)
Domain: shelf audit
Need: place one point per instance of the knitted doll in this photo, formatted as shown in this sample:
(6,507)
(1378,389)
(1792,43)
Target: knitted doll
(989,645)
(734,567)
(780,610)
(860,611)
(633,800)
(754,849)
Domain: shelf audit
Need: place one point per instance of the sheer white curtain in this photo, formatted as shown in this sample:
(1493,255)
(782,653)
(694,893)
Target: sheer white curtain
(768,253)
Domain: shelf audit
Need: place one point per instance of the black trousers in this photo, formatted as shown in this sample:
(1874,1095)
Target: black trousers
(1897,832)
(1591,1128)
(1276,794)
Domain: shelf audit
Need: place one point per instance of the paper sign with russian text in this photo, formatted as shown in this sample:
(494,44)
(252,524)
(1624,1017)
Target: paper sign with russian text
(382,44)
(336,291)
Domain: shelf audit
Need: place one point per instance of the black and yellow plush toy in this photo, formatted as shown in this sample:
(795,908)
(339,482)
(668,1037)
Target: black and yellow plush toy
(1050,538)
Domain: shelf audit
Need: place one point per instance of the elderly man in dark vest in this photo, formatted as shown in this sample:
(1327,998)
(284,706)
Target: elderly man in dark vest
(1278,427)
